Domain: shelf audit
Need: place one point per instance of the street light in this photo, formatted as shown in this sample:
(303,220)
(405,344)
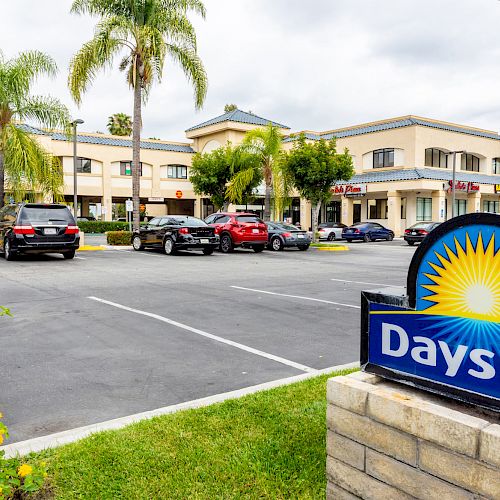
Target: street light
(74,124)
(453,182)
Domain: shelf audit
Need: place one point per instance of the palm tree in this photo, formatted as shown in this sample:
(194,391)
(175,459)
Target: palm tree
(120,124)
(266,144)
(25,166)
(144,31)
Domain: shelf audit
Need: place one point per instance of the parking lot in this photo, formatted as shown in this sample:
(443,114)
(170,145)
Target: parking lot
(118,332)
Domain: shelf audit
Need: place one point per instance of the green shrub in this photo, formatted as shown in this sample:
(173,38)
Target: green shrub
(119,237)
(97,226)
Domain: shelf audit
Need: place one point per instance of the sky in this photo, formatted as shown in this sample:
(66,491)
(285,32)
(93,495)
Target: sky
(310,64)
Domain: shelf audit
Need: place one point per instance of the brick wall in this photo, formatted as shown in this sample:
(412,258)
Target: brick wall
(388,441)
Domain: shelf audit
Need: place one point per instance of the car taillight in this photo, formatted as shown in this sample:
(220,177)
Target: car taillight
(423,231)
(407,231)
(321,230)
(286,235)
(357,231)
(24,230)
(71,230)
(184,230)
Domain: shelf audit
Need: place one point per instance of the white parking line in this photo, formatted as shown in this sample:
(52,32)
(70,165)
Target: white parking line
(80,258)
(222,340)
(296,297)
(361,282)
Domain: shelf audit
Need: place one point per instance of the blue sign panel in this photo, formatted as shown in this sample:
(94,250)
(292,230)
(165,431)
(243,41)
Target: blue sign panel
(444,336)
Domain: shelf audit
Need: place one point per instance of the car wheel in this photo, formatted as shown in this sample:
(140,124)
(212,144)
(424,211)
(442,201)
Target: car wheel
(348,240)
(258,248)
(303,248)
(276,244)
(208,251)
(411,243)
(69,255)
(226,244)
(169,246)
(331,236)
(390,237)
(367,238)
(137,243)
(7,251)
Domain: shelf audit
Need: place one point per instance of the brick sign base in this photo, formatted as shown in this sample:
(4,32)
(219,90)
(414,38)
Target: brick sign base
(388,441)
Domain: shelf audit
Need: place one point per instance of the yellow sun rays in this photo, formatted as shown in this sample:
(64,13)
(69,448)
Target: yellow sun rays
(467,283)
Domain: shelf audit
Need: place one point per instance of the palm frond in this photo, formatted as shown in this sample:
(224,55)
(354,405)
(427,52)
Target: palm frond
(47,111)
(239,185)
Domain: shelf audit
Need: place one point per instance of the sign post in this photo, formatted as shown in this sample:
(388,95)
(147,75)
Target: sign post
(129,207)
(443,335)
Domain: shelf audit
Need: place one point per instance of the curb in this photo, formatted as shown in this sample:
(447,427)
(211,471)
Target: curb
(333,249)
(91,248)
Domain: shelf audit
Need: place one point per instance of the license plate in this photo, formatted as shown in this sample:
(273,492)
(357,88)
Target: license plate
(414,233)
(204,240)
(300,236)
(255,231)
(50,230)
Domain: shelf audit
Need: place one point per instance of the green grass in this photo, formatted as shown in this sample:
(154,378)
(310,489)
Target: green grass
(266,445)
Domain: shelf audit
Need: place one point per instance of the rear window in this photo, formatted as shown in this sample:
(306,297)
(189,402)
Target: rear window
(47,214)
(188,221)
(249,219)
(421,225)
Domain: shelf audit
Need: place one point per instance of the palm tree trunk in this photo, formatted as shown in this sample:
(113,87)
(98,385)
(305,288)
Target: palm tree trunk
(136,151)
(2,176)
(267,204)
(315,214)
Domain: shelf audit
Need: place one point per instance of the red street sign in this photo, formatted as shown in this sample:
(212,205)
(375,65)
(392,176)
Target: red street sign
(178,194)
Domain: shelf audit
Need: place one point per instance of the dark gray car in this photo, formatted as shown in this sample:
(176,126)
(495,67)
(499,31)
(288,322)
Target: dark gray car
(281,235)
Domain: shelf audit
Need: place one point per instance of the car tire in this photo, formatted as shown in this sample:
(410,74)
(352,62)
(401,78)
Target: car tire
(226,244)
(277,244)
(303,248)
(137,243)
(411,243)
(169,246)
(69,255)
(390,237)
(348,240)
(7,251)
(208,251)
(258,248)
(331,236)
(367,238)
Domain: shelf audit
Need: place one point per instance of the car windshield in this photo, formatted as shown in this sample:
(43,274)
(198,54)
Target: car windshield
(188,221)
(421,225)
(248,219)
(49,213)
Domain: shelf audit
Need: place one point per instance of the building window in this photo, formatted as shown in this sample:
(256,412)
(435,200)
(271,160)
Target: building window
(403,208)
(460,207)
(492,207)
(424,209)
(436,158)
(83,165)
(470,163)
(177,172)
(126,168)
(383,158)
(377,209)
(496,165)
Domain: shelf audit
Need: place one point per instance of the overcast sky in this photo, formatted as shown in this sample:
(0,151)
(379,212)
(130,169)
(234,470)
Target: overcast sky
(310,64)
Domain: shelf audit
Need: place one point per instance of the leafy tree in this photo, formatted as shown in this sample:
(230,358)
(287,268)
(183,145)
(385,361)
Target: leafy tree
(230,107)
(314,168)
(24,163)
(265,144)
(120,124)
(144,32)
(211,172)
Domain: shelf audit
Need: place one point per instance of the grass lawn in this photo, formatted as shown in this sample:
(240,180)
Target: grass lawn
(265,445)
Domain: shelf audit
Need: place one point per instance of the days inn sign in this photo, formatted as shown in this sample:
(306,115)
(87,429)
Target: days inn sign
(443,335)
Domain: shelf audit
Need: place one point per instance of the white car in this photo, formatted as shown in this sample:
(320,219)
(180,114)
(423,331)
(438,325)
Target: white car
(330,231)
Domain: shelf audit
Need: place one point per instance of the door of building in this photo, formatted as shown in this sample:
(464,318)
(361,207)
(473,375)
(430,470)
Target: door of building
(356,217)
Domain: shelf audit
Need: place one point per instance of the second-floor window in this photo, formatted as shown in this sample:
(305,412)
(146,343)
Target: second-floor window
(83,165)
(436,158)
(496,165)
(470,162)
(126,168)
(383,158)
(177,172)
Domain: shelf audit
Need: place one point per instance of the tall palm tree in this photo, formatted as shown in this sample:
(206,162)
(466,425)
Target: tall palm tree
(265,143)
(120,124)
(25,166)
(144,32)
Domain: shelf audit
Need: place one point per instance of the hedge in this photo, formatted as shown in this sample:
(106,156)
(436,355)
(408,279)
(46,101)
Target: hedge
(97,226)
(119,237)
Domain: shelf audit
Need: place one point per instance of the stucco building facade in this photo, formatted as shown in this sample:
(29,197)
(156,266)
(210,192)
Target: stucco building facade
(403,170)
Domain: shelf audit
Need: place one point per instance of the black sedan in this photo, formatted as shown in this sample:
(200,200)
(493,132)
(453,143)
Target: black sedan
(417,232)
(282,235)
(176,232)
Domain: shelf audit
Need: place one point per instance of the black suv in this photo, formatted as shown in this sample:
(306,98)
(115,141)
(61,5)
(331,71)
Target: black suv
(38,228)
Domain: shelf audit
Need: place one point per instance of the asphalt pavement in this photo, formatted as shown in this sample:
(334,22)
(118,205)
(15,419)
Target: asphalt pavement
(118,332)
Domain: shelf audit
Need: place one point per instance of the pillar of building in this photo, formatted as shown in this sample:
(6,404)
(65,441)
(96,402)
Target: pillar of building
(107,201)
(474,203)
(347,215)
(305,214)
(394,212)
(439,206)
(198,206)
(84,204)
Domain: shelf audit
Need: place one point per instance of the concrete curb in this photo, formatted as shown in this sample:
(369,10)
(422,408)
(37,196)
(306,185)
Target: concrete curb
(333,249)
(70,436)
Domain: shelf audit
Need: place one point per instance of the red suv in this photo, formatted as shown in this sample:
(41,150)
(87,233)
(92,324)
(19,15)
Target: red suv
(239,230)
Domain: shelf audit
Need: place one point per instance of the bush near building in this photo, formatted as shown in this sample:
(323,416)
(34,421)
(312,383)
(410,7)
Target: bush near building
(119,237)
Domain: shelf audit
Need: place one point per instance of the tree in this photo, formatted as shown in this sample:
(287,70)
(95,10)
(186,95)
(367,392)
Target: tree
(314,168)
(230,107)
(145,32)
(265,144)
(120,124)
(211,172)
(24,163)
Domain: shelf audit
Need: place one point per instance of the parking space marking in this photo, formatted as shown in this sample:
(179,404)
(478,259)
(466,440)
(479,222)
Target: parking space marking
(216,338)
(361,282)
(80,258)
(296,297)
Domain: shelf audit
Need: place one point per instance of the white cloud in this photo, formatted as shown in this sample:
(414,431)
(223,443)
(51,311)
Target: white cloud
(319,64)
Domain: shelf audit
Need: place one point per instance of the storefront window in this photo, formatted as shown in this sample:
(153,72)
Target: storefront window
(493,207)
(460,207)
(383,158)
(403,208)
(126,168)
(424,209)
(470,163)
(377,209)
(496,165)
(436,158)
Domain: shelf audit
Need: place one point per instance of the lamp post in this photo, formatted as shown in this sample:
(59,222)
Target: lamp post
(74,124)
(453,181)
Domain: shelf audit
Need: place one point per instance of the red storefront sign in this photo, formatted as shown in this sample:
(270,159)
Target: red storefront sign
(350,189)
(464,187)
